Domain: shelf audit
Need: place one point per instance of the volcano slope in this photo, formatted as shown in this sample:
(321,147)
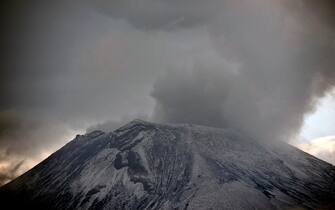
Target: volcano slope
(144,165)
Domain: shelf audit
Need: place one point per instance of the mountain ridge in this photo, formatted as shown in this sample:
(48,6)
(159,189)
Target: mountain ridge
(145,165)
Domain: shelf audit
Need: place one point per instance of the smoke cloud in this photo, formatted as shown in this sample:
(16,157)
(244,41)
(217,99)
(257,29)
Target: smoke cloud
(68,66)
(271,61)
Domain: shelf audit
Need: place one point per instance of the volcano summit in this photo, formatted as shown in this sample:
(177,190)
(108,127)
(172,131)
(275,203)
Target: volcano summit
(144,165)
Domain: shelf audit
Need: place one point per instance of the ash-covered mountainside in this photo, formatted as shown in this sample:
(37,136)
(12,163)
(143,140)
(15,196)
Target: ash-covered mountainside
(151,166)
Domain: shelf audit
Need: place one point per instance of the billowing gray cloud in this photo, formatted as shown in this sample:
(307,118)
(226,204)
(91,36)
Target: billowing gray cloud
(286,64)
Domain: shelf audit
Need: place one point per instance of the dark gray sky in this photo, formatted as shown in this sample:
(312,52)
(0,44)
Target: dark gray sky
(254,65)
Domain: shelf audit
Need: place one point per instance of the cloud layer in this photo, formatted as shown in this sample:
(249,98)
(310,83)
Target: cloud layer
(323,148)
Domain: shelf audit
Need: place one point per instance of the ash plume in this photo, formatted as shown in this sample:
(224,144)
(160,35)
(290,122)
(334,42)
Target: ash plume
(284,52)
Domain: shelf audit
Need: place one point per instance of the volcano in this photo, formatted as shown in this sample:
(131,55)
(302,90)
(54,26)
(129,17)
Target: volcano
(144,165)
